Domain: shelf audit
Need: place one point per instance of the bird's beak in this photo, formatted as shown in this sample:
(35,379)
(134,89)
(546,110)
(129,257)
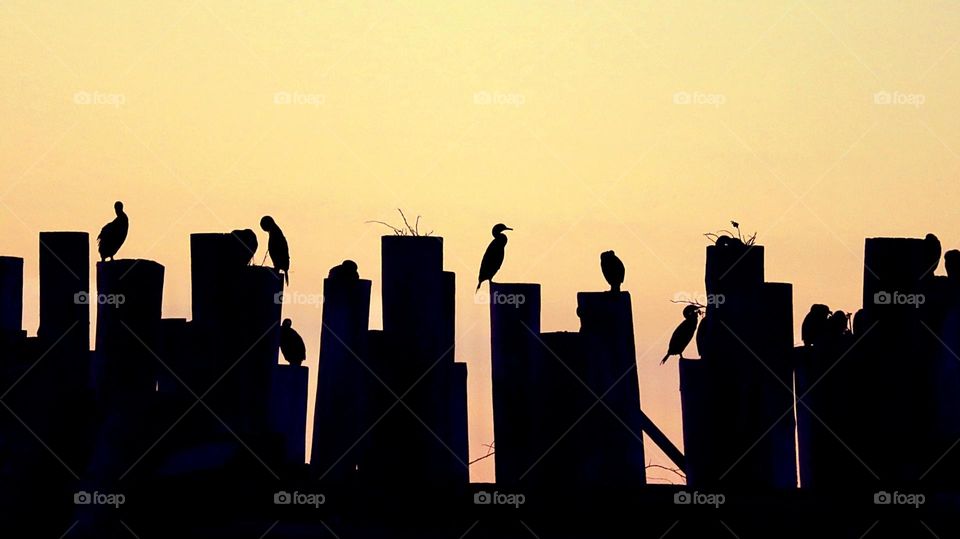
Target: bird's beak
(508,228)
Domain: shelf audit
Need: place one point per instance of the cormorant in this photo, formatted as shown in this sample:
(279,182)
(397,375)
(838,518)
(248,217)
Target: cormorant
(277,247)
(612,269)
(684,333)
(814,324)
(951,263)
(493,257)
(291,344)
(346,271)
(113,234)
(246,246)
(838,325)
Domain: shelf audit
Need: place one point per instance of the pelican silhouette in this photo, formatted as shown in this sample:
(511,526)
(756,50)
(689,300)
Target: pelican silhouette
(683,334)
(277,247)
(113,234)
(493,257)
(291,344)
(612,269)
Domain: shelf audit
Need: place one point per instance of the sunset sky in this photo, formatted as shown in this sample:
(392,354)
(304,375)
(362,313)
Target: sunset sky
(585,126)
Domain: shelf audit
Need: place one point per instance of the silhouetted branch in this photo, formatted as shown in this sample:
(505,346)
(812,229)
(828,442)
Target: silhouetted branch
(406,230)
(672,470)
(490,452)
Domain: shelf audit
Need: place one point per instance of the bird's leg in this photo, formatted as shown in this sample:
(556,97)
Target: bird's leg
(264,261)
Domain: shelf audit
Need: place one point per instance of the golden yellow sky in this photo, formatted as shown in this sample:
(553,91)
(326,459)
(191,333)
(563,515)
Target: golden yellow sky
(586,126)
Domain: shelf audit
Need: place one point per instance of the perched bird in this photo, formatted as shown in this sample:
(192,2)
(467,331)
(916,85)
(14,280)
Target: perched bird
(277,247)
(814,324)
(346,271)
(860,323)
(113,234)
(932,251)
(838,325)
(245,247)
(951,263)
(612,269)
(683,334)
(493,257)
(291,344)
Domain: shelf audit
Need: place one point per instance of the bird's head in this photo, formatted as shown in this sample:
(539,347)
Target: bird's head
(607,254)
(691,311)
(267,224)
(499,228)
(820,309)
(287,323)
(118,207)
(350,265)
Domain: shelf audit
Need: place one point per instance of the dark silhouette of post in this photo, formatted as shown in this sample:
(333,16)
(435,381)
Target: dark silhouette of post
(341,407)
(515,350)
(615,455)
(288,411)
(129,302)
(11,297)
(738,399)
(64,291)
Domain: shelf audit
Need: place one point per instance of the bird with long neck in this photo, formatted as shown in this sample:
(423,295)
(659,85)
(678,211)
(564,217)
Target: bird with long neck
(493,257)
(277,247)
(684,333)
(113,234)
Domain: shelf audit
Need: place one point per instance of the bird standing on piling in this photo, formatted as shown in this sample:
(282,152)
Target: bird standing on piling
(344,272)
(493,257)
(814,325)
(291,344)
(246,247)
(613,270)
(113,234)
(684,333)
(277,247)
(932,249)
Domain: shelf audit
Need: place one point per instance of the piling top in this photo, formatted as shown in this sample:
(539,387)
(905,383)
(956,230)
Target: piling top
(64,235)
(11,260)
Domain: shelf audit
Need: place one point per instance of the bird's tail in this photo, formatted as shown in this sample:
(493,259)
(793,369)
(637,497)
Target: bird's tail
(664,360)
(478,287)
(286,278)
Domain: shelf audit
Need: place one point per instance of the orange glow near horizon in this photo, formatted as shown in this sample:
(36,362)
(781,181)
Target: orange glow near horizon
(587,126)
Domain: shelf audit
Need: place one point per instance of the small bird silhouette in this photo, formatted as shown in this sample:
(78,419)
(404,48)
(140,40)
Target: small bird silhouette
(612,269)
(245,247)
(113,234)
(814,324)
(277,247)
(838,325)
(683,334)
(291,344)
(493,257)
(932,251)
(346,271)
(951,263)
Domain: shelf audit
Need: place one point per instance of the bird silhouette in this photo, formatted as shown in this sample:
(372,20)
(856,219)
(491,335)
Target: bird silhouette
(838,325)
(951,263)
(113,234)
(814,324)
(493,257)
(245,247)
(346,271)
(612,269)
(683,334)
(932,251)
(277,247)
(291,344)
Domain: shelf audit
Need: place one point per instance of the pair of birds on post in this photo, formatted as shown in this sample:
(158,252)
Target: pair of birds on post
(114,233)
(610,265)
